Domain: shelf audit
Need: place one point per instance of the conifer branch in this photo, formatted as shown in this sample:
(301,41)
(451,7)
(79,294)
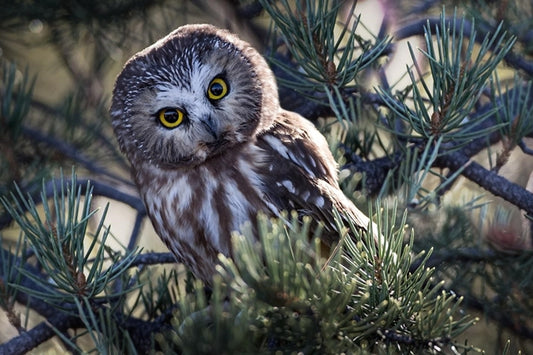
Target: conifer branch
(70,152)
(488,180)
(99,188)
(416,28)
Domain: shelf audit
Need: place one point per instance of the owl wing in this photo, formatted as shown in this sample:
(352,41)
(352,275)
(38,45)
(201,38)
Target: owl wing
(302,174)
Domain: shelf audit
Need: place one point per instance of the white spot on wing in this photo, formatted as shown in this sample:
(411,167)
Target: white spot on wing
(302,164)
(289,186)
(271,207)
(277,145)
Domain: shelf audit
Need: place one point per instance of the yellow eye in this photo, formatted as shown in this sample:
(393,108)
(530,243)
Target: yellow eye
(217,89)
(170,117)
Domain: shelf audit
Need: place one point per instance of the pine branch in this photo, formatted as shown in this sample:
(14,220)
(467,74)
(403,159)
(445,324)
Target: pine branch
(461,258)
(458,255)
(361,295)
(502,318)
(140,330)
(27,341)
(488,180)
(417,29)
(378,169)
(48,110)
(70,152)
(99,188)
(154,258)
(375,171)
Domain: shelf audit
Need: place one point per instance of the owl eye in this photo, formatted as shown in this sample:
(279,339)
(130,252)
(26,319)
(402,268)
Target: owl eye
(218,88)
(170,117)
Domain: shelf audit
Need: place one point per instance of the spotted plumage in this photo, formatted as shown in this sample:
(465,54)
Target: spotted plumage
(198,116)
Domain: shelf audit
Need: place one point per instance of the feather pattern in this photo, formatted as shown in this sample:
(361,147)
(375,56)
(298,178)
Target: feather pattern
(225,155)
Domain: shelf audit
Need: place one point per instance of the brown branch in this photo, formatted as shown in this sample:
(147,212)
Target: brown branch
(488,180)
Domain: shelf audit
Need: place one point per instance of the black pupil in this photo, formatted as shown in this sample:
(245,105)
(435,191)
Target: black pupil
(217,89)
(171,116)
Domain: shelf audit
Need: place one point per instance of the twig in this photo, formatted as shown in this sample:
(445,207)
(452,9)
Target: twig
(139,218)
(99,188)
(71,153)
(39,334)
(500,317)
(525,148)
(26,341)
(154,258)
(417,28)
(488,180)
(375,171)
(457,255)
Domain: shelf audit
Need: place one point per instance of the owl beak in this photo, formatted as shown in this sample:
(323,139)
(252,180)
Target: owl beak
(210,126)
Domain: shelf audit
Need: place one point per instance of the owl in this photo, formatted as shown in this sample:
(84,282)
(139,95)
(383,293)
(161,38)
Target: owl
(198,116)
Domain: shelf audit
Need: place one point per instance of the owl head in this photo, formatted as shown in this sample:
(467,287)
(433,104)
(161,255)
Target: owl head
(190,96)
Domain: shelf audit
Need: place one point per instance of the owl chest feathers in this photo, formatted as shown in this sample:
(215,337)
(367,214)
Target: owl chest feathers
(196,209)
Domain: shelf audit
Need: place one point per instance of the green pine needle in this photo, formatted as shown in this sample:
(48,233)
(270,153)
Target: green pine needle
(58,234)
(280,293)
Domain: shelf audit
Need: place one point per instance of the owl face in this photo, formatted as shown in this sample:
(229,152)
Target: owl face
(190,96)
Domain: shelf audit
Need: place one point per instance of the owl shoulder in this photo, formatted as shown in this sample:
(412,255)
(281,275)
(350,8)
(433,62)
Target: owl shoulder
(295,140)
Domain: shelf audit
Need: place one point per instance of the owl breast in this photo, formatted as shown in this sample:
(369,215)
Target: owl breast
(195,209)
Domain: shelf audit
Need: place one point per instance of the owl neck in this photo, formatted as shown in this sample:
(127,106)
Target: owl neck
(219,165)
(199,207)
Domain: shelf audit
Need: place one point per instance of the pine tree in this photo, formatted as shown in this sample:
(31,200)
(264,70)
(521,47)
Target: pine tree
(409,140)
